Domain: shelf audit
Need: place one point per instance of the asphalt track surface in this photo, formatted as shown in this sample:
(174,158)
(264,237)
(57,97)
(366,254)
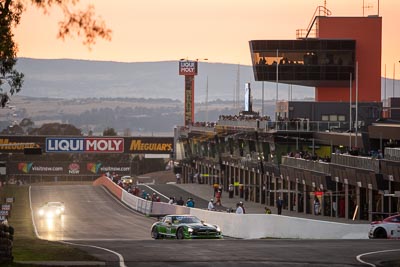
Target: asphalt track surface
(98,223)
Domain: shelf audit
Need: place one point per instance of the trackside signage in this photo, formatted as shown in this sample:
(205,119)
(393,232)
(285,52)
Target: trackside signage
(151,145)
(85,145)
(188,68)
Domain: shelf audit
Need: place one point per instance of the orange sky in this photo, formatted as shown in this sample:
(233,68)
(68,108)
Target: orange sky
(158,30)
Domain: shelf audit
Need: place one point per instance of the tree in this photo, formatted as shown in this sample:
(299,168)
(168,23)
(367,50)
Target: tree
(59,129)
(109,132)
(79,22)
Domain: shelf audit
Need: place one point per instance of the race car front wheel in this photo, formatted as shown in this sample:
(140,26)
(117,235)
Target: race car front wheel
(154,233)
(380,233)
(180,234)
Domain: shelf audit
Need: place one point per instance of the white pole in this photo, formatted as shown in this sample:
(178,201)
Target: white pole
(262,100)
(350,116)
(384,93)
(277,82)
(394,75)
(356,103)
(207,100)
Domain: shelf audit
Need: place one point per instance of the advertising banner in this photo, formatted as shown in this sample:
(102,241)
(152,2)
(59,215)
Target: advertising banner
(149,145)
(68,168)
(188,68)
(90,145)
(85,145)
(17,144)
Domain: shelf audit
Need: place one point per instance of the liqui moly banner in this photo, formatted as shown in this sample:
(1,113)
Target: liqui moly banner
(187,67)
(85,145)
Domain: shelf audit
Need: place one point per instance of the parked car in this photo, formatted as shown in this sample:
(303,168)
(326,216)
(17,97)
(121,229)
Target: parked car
(127,179)
(387,228)
(184,227)
(51,209)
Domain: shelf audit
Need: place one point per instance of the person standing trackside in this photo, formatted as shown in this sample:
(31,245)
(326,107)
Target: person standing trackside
(230,189)
(215,188)
(316,205)
(279,204)
(178,178)
(218,197)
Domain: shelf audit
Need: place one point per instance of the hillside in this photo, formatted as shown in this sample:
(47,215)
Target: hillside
(66,78)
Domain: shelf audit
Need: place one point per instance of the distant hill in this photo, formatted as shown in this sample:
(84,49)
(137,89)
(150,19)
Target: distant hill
(141,98)
(67,78)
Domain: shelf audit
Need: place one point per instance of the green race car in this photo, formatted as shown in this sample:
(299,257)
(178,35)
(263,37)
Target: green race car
(184,227)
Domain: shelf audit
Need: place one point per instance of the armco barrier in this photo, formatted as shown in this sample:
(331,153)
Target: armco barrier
(251,226)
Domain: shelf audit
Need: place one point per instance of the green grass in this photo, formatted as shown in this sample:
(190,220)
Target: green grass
(26,246)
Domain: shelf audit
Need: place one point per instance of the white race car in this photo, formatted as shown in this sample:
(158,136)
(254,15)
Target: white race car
(388,228)
(52,209)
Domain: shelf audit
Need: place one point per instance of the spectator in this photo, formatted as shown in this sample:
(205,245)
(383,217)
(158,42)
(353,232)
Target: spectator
(239,209)
(279,204)
(190,203)
(218,197)
(211,205)
(230,189)
(316,205)
(196,178)
(215,187)
(180,202)
(267,210)
(242,205)
(178,178)
(144,194)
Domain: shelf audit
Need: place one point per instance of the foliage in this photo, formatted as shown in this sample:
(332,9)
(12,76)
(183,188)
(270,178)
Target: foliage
(56,129)
(109,132)
(81,22)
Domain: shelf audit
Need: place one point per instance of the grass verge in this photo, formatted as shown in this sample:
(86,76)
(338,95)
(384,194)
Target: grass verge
(26,246)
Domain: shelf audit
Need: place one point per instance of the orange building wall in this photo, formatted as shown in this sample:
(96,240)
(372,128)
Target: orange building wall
(367,31)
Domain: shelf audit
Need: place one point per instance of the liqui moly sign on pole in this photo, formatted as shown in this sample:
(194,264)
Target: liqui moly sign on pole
(85,145)
(188,67)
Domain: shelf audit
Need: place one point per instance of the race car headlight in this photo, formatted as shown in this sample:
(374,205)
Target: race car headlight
(190,230)
(218,229)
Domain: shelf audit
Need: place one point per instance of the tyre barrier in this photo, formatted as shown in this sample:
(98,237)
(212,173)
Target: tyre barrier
(6,243)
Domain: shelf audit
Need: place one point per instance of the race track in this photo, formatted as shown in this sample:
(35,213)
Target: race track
(91,213)
(101,225)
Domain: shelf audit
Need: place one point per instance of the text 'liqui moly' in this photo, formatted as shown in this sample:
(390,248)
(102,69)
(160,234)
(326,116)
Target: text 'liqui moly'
(85,145)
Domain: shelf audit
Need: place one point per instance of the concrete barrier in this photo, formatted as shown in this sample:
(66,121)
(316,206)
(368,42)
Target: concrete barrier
(110,185)
(134,202)
(247,226)
(160,208)
(252,226)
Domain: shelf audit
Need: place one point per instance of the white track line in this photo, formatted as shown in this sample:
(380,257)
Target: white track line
(373,252)
(155,191)
(33,221)
(120,257)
